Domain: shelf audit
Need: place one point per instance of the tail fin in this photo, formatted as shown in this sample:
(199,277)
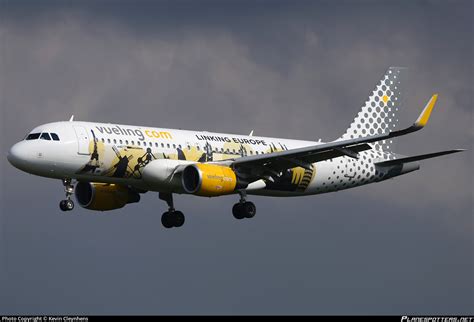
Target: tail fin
(379,115)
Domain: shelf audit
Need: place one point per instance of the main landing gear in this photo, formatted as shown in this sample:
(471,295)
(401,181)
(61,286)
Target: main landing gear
(67,204)
(175,218)
(244,209)
(172,217)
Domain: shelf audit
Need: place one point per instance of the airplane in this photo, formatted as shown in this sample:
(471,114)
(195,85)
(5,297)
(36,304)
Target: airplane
(107,166)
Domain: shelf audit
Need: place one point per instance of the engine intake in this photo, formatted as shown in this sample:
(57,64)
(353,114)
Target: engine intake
(209,180)
(102,196)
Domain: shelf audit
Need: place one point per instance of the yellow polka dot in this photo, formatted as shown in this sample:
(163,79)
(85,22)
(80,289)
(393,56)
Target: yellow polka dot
(385,99)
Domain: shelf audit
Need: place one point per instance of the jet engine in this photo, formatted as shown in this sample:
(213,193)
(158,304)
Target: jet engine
(209,180)
(165,175)
(102,196)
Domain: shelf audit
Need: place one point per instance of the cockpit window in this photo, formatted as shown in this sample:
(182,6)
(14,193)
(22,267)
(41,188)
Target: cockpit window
(33,136)
(45,136)
(55,136)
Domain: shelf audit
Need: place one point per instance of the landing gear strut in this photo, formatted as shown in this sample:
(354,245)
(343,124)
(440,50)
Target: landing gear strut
(244,208)
(172,217)
(67,204)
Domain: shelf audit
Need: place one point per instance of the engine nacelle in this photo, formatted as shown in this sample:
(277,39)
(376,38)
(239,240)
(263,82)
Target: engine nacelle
(102,196)
(209,180)
(165,175)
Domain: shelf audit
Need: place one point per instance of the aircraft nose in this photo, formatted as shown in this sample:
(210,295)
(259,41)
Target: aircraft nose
(18,155)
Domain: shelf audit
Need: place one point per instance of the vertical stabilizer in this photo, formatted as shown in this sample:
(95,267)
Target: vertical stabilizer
(379,115)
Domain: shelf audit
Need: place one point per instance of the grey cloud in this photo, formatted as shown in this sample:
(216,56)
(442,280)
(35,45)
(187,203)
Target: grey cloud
(298,71)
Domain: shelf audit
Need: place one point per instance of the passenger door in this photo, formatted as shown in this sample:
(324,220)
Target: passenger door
(82,140)
(350,168)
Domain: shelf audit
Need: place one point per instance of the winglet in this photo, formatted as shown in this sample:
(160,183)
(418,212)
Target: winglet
(420,122)
(425,114)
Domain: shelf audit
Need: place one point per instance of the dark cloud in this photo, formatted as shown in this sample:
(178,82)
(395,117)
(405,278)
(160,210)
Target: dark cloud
(283,69)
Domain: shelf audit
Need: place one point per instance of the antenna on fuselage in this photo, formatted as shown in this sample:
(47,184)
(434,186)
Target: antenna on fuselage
(72,118)
(251,133)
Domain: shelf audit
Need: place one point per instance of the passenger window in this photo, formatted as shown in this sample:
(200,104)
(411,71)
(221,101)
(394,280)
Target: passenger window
(133,142)
(162,145)
(45,136)
(138,143)
(115,141)
(54,136)
(156,145)
(108,141)
(126,142)
(103,141)
(174,146)
(33,136)
(168,145)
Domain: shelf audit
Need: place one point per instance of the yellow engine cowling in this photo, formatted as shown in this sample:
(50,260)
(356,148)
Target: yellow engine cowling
(102,196)
(209,180)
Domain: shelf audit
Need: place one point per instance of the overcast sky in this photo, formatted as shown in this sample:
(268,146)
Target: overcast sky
(294,69)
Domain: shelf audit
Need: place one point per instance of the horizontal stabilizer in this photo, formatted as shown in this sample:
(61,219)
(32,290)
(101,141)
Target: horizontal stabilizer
(416,158)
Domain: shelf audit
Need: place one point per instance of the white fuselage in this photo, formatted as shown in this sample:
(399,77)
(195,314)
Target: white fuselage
(110,153)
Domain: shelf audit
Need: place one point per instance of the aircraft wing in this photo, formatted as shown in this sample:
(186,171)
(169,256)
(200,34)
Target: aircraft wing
(275,162)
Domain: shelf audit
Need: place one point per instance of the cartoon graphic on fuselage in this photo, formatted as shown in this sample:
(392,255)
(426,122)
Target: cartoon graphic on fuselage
(114,164)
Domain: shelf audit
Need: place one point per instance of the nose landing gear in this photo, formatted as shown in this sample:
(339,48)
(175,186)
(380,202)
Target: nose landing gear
(244,209)
(67,204)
